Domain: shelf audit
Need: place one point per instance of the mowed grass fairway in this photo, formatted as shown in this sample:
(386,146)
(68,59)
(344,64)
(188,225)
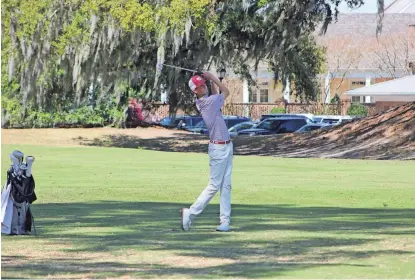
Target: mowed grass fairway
(110,212)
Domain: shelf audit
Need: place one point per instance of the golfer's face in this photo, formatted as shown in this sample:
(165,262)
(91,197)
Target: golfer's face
(201,90)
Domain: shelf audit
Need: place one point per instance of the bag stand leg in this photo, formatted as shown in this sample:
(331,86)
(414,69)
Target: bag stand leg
(33,222)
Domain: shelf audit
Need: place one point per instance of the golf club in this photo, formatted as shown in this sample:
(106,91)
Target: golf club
(29,162)
(19,155)
(160,67)
(16,163)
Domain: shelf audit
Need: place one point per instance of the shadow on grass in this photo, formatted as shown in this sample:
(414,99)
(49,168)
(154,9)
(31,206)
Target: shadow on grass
(307,145)
(258,246)
(377,137)
(180,142)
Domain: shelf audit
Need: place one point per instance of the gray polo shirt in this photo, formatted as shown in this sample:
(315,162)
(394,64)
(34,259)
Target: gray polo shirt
(209,107)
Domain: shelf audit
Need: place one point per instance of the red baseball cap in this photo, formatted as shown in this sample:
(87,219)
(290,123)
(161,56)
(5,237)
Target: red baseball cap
(196,81)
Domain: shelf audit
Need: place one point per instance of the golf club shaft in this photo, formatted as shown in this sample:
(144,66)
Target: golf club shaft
(190,70)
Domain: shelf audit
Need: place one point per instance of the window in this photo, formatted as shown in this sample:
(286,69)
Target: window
(356,99)
(240,126)
(230,123)
(291,126)
(330,121)
(201,124)
(358,84)
(252,96)
(263,95)
(245,126)
(269,125)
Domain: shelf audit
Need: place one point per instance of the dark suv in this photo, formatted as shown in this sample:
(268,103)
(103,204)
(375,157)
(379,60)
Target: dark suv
(276,126)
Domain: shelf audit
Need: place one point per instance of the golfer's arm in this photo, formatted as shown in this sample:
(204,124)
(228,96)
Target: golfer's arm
(214,89)
(224,90)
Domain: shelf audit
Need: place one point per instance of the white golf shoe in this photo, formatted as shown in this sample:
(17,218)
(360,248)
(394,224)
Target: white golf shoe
(223,227)
(186,222)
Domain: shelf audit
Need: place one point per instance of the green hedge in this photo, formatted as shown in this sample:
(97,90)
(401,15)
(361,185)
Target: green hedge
(277,110)
(357,110)
(13,117)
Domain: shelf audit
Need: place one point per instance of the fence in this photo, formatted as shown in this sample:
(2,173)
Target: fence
(255,110)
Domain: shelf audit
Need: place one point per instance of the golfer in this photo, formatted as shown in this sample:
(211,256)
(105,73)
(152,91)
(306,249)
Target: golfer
(220,151)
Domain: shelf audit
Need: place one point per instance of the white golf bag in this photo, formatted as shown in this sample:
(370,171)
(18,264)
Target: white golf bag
(17,195)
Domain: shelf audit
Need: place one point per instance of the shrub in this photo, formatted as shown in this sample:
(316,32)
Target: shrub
(335,99)
(13,116)
(278,110)
(12,112)
(357,110)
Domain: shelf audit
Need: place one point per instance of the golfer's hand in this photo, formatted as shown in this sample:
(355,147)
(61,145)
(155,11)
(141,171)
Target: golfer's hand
(208,76)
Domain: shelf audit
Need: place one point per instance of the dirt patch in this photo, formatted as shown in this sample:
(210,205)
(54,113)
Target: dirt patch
(72,136)
(385,136)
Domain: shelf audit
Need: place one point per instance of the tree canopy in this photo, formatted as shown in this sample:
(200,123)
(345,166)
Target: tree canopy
(56,52)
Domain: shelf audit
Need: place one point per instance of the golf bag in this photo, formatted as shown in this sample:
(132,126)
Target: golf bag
(16,197)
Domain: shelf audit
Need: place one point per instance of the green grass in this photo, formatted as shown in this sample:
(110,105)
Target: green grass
(108,212)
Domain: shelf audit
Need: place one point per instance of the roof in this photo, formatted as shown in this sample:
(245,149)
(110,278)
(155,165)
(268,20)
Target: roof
(397,87)
(401,6)
(352,44)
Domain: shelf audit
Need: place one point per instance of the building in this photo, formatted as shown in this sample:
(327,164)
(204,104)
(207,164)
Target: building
(388,94)
(357,58)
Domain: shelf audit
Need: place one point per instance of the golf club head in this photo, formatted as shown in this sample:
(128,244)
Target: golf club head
(29,163)
(19,155)
(16,163)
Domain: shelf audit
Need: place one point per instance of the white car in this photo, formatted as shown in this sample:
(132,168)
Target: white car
(313,126)
(234,130)
(331,119)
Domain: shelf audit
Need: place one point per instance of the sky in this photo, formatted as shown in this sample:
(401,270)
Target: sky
(370,6)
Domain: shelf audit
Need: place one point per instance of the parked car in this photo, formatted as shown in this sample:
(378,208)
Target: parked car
(234,120)
(309,117)
(313,126)
(180,122)
(169,122)
(332,119)
(200,127)
(188,122)
(276,126)
(234,130)
(230,121)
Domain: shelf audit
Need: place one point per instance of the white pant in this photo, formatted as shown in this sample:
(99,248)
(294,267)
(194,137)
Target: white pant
(220,179)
